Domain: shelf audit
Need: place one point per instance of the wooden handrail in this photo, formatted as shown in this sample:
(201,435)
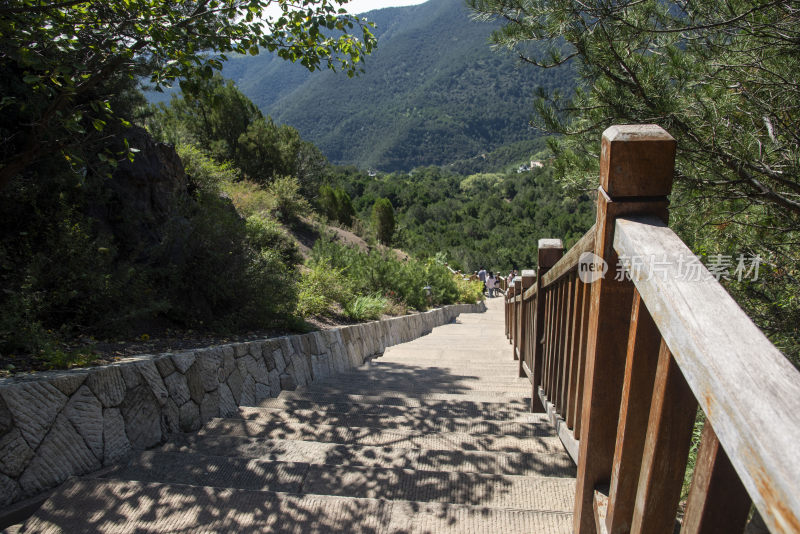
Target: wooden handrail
(569,261)
(748,390)
(530,293)
(622,358)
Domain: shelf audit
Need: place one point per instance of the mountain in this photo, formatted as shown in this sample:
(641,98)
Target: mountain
(432,93)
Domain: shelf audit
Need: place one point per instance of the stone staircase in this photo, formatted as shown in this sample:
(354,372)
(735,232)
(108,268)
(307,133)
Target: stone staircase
(434,436)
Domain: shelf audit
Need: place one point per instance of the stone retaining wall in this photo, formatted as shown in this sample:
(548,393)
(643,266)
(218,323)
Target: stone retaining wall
(54,425)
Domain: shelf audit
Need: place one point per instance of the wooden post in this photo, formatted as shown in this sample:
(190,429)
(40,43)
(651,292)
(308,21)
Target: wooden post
(528,279)
(550,251)
(636,170)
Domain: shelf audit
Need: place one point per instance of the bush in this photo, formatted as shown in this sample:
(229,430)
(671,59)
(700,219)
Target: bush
(249,198)
(224,279)
(206,173)
(336,205)
(383,220)
(366,307)
(320,288)
(59,276)
(287,202)
(470,291)
(385,274)
(267,234)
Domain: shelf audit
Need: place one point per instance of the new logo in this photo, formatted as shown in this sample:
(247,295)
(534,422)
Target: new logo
(591,267)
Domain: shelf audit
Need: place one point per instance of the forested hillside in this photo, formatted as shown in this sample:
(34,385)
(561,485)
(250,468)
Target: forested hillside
(485,219)
(432,93)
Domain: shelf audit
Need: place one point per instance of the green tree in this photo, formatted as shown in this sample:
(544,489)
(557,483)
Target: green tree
(210,112)
(344,207)
(62,61)
(336,204)
(383,220)
(716,75)
(214,113)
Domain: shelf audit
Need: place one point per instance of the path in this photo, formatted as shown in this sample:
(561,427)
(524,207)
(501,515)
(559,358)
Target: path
(434,436)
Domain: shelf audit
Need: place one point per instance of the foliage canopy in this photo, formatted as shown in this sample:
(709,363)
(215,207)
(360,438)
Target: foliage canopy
(719,76)
(383,220)
(63,62)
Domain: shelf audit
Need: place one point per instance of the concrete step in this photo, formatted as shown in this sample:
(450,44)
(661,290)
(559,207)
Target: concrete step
(416,382)
(428,410)
(432,375)
(121,507)
(523,425)
(512,400)
(381,437)
(451,487)
(418,390)
(555,464)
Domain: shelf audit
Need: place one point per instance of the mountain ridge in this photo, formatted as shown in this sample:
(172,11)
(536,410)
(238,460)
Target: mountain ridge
(432,93)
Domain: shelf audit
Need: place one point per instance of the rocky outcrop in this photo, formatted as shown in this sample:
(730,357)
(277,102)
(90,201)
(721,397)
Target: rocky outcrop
(144,195)
(58,424)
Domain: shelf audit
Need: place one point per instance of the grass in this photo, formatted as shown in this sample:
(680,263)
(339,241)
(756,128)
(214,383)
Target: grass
(366,307)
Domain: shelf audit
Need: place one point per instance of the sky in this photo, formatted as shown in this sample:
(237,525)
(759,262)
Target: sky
(359,6)
(355,7)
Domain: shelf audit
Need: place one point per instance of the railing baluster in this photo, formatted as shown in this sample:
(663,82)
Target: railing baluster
(517,306)
(558,304)
(669,432)
(718,502)
(565,347)
(548,340)
(562,334)
(574,350)
(644,341)
(528,277)
(562,316)
(636,168)
(587,303)
(558,295)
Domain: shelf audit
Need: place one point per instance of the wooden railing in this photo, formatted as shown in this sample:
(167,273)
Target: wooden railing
(622,362)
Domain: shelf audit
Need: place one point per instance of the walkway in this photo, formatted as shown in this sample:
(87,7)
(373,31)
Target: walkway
(434,436)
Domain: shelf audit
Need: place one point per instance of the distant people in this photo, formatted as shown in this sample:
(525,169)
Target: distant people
(491,284)
(482,278)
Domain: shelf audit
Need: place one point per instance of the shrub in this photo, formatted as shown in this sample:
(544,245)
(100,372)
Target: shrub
(223,279)
(470,291)
(382,272)
(319,288)
(206,173)
(383,220)
(59,277)
(267,234)
(366,307)
(287,202)
(336,205)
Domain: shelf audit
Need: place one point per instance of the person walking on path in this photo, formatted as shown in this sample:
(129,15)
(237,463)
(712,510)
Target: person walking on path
(482,278)
(491,284)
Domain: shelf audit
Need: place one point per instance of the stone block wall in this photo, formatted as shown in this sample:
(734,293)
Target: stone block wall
(57,424)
